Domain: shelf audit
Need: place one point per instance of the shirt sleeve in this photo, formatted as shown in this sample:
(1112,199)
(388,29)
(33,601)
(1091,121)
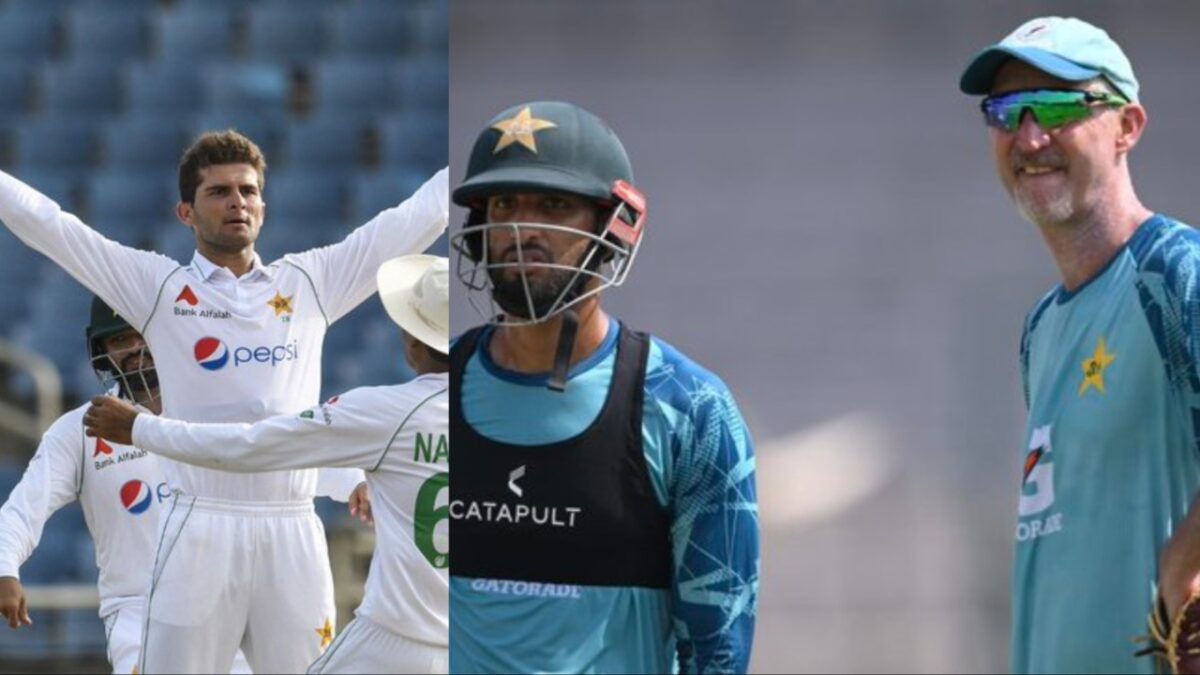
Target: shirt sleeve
(50,482)
(125,278)
(344,273)
(345,432)
(714,537)
(338,484)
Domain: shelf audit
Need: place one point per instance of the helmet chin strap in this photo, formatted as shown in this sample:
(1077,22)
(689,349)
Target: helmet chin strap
(562,356)
(570,327)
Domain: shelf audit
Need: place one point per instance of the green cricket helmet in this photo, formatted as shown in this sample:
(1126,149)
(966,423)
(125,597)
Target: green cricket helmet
(142,380)
(548,146)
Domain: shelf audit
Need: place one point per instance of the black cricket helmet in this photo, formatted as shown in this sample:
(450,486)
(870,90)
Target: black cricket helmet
(142,379)
(548,146)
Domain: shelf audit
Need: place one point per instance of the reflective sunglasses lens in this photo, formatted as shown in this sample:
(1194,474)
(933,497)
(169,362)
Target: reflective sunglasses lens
(1051,109)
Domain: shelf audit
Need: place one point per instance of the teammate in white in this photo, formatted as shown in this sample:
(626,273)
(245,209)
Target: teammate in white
(118,486)
(241,558)
(398,434)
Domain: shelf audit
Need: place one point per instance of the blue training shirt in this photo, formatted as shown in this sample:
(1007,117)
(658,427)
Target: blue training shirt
(1111,454)
(701,461)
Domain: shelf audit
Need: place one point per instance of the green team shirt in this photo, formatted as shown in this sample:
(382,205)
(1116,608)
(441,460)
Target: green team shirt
(1111,457)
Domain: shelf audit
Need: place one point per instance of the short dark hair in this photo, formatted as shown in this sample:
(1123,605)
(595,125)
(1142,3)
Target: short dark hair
(217,147)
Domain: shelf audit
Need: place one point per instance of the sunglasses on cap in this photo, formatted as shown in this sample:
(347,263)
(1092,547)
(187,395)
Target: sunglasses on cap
(1051,108)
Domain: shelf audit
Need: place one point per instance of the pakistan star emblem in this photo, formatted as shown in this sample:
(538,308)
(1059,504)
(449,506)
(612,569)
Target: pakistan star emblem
(1094,367)
(280,304)
(326,633)
(520,128)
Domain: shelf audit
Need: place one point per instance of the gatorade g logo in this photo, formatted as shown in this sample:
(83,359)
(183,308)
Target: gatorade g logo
(1037,489)
(212,354)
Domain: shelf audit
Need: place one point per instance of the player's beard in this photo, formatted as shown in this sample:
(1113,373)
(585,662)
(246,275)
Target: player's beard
(508,290)
(1055,209)
(139,385)
(1035,203)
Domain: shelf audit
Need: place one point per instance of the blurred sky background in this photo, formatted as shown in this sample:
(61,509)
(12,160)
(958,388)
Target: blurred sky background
(828,234)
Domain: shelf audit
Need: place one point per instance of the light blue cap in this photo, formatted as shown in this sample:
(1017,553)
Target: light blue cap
(1067,48)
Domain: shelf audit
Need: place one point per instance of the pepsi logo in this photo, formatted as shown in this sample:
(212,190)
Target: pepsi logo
(211,353)
(136,496)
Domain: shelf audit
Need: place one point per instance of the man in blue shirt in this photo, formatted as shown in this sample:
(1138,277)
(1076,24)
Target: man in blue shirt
(604,514)
(1109,357)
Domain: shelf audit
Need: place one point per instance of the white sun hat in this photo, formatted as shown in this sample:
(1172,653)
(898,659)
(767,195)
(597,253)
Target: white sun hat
(415,292)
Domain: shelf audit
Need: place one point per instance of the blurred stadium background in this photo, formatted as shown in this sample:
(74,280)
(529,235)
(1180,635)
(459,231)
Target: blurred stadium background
(98,99)
(828,234)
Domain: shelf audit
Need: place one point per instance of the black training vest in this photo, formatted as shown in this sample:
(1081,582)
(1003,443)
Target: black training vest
(580,511)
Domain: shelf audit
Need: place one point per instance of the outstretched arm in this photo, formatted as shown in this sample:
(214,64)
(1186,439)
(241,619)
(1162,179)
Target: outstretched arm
(125,278)
(345,434)
(344,274)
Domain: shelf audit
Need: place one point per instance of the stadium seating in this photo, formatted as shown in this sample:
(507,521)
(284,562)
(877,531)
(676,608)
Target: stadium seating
(163,87)
(144,141)
(193,29)
(113,30)
(264,88)
(424,82)
(374,191)
(332,141)
(124,204)
(14,82)
(27,32)
(84,85)
(433,27)
(285,31)
(413,139)
(363,85)
(370,28)
(66,143)
(307,195)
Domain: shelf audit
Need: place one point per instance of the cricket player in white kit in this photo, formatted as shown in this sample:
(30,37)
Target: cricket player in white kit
(241,558)
(398,434)
(119,487)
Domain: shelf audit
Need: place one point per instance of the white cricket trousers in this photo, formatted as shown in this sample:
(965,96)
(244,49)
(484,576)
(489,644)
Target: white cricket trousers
(367,647)
(123,629)
(238,574)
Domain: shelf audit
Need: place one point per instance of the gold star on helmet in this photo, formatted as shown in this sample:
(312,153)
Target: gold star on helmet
(1094,367)
(281,304)
(520,128)
(326,633)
